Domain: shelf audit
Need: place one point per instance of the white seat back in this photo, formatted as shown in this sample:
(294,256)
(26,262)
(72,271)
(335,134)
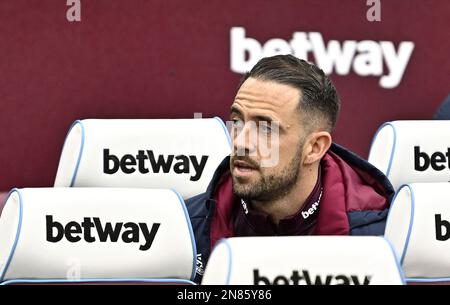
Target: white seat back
(418,227)
(412,151)
(162,153)
(96,234)
(303,260)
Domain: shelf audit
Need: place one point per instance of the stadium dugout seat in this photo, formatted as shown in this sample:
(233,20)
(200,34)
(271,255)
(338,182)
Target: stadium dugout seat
(96,235)
(412,151)
(162,153)
(303,260)
(418,227)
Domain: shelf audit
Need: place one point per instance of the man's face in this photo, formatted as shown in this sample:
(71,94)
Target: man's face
(265,118)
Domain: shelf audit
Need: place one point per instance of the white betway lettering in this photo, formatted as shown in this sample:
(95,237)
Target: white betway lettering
(365,57)
(313,208)
(244,206)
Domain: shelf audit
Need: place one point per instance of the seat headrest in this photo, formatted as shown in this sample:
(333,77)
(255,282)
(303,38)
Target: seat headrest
(96,233)
(162,153)
(303,260)
(412,151)
(418,226)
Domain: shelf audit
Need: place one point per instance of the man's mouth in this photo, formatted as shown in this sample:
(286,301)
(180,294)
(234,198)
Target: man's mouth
(242,168)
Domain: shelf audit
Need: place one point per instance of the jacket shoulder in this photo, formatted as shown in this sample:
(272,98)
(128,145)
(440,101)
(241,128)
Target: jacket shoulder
(371,220)
(358,162)
(196,205)
(367,222)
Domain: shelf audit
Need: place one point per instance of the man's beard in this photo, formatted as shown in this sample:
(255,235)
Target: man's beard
(269,187)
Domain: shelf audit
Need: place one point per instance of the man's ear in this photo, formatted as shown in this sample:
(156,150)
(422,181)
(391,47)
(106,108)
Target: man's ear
(317,145)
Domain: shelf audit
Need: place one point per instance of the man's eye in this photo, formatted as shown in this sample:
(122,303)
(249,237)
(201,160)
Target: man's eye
(264,127)
(237,123)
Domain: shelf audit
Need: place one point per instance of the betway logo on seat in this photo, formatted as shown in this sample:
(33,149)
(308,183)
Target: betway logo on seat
(96,231)
(145,162)
(304,278)
(437,160)
(442,228)
(365,58)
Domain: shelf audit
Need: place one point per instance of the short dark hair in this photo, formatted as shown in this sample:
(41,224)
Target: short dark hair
(318,97)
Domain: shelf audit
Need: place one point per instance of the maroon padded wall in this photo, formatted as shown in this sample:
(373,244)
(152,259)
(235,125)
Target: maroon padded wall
(169,59)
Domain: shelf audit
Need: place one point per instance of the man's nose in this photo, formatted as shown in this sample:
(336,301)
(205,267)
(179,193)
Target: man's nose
(245,139)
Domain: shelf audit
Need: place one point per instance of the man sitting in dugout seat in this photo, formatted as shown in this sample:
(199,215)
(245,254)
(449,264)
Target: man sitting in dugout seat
(314,187)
